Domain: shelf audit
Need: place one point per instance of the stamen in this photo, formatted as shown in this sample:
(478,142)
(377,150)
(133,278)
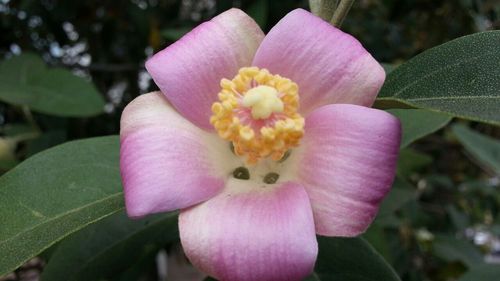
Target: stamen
(271,178)
(257,112)
(285,156)
(241,173)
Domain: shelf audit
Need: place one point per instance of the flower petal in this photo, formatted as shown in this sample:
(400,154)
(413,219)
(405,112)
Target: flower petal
(250,233)
(166,162)
(329,65)
(189,71)
(347,165)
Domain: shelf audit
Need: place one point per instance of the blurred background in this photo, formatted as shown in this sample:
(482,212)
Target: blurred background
(445,216)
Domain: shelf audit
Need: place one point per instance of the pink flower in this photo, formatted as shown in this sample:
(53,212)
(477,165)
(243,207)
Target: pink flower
(256,176)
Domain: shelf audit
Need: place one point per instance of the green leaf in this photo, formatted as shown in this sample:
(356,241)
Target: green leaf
(481,187)
(461,77)
(350,259)
(400,194)
(110,246)
(418,123)
(55,193)
(24,80)
(259,12)
(411,161)
(483,272)
(388,68)
(459,219)
(453,249)
(378,239)
(175,33)
(484,148)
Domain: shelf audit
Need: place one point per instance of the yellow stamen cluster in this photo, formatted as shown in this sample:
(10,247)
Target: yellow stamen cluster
(257,112)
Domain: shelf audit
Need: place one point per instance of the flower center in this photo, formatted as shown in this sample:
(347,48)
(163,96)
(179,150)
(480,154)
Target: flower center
(263,100)
(257,112)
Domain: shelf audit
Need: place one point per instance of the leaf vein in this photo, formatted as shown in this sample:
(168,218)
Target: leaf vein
(60,216)
(398,93)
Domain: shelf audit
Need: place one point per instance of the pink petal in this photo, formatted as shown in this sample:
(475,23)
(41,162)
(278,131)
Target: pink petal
(252,233)
(189,71)
(348,165)
(329,65)
(166,162)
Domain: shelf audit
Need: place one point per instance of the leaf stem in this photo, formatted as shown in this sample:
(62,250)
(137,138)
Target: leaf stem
(25,137)
(341,12)
(37,131)
(29,117)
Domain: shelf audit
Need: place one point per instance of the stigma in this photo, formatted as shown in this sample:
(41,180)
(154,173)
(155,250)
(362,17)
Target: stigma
(258,112)
(264,101)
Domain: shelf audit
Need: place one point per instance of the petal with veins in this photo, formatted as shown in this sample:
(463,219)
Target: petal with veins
(189,71)
(166,162)
(252,233)
(347,165)
(329,66)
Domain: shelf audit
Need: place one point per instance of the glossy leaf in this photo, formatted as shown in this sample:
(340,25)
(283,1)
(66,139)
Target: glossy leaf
(461,77)
(56,193)
(350,259)
(110,246)
(418,123)
(25,80)
(484,148)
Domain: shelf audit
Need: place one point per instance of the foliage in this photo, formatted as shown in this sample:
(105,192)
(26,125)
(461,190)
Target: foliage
(110,246)
(86,187)
(26,81)
(459,77)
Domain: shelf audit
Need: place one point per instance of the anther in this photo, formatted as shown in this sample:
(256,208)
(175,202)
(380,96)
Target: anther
(271,178)
(241,173)
(231,147)
(285,156)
